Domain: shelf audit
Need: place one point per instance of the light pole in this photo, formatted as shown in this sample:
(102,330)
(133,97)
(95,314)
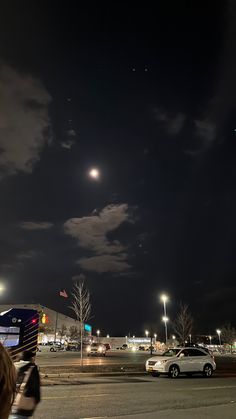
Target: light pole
(98,334)
(219,333)
(164,299)
(210,339)
(190,339)
(165,320)
(155,336)
(146,333)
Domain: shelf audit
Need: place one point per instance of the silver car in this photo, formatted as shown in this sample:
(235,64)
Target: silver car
(177,361)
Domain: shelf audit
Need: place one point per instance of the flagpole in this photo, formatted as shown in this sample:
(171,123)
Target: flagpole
(55,335)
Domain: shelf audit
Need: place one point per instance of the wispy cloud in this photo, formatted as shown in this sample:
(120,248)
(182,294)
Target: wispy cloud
(24,121)
(40,225)
(92,234)
(172,122)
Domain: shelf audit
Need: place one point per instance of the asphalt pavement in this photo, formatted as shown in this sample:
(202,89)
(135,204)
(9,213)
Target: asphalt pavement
(140,397)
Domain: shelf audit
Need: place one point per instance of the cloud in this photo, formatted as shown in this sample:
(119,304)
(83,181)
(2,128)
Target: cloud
(92,234)
(24,121)
(105,263)
(67,144)
(205,130)
(172,122)
(41,225)
(27,255)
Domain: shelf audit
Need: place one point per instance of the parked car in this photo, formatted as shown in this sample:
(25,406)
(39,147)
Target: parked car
(107,345)
(177,361)
(96,349)
(57,347)
(72,346)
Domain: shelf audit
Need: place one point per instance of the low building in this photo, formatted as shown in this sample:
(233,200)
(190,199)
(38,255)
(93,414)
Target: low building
(53,326)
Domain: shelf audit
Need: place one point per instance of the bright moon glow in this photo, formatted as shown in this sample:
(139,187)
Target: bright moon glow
(94,173)
(2,288)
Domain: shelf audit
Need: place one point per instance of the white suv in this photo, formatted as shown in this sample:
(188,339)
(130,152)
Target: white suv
(177,361)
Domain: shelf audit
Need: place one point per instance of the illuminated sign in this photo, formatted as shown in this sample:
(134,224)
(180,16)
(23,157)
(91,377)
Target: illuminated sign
(88,328)
(139,340)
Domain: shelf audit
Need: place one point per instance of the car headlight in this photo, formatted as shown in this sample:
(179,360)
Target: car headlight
(100,349)
(88,349)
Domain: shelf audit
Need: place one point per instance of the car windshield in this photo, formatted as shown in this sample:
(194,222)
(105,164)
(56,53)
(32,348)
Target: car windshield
(171,352)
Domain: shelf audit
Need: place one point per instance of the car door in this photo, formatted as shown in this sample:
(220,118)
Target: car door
(198,359)
(184,361)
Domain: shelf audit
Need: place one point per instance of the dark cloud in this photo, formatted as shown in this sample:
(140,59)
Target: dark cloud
(92,234)
(24,121)
(40,225)
(173,123)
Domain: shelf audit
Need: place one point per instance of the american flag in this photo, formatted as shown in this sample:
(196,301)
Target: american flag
(63,293)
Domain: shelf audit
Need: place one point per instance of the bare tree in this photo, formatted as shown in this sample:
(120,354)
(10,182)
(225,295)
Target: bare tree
(184,324)
(62,331)
(74,333)
(82,308)
(228,334)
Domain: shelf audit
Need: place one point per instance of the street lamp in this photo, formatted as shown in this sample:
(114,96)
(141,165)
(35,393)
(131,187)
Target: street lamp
(218,331)
(146,333)
(108,336)
(155,336)
(190,339)
(210,337)
(164,299)
(98,334)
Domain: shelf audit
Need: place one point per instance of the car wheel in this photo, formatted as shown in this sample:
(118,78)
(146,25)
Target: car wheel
(208,371)
(155,374)
(51,349)
(173,371)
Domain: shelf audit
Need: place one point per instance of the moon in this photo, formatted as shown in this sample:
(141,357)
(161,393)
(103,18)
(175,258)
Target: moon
(94,173)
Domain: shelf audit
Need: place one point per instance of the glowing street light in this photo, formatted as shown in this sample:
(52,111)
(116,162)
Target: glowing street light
(210,337)
(108,336)
(146,333)
(155,336)
(164,299)
(218,331)
(98,334)
(173,337)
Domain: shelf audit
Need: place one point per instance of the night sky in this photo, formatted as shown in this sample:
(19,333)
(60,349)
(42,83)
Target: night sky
(147,96)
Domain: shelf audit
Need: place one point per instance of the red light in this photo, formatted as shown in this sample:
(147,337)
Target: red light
(33,321)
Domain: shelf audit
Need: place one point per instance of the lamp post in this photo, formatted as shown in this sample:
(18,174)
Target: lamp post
(165,320)
(190,339)
(155,336)
(219,333)
(210,339)
(98,334)
(164,299)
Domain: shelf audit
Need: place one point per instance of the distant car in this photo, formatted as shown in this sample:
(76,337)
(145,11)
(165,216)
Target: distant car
(72,346)
(177,361)
(96,349)
(57,347)
(108,346)
(124,347)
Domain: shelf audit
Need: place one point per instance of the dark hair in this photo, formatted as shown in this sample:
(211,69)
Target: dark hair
(7,383)
(28,355)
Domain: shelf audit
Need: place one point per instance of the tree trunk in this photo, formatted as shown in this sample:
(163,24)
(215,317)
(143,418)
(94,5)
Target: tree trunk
(81,345)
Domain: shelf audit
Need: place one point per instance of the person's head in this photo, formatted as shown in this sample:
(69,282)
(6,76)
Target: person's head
(7,383)
(28,356)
